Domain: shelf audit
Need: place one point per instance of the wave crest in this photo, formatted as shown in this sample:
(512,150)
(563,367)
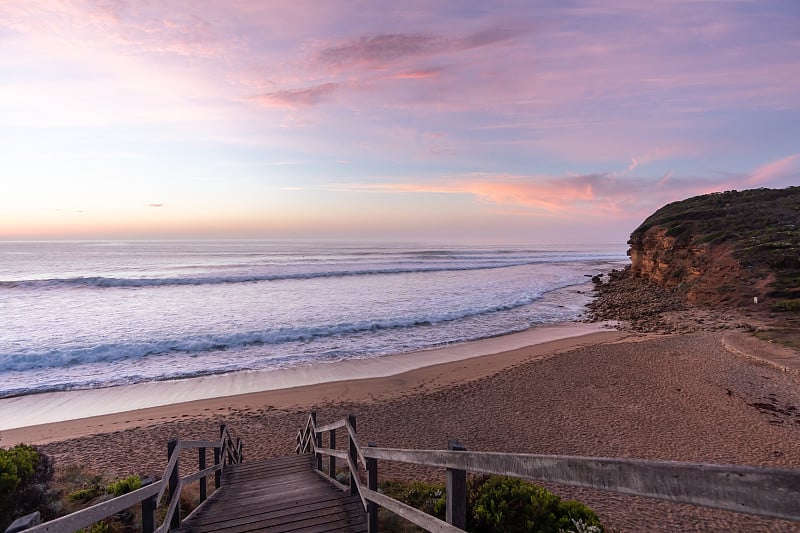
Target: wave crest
(118,351)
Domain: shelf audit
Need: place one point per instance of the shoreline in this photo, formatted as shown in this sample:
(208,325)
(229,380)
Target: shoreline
(53,416)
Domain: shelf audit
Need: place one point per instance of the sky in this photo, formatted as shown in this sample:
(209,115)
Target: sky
(452,121)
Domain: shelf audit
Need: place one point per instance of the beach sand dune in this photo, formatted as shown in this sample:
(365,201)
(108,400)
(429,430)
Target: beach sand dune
(683,397)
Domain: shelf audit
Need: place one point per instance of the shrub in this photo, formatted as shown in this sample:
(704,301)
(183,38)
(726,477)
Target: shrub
(17,465)
(84,495)
(427,497)
(509,504)
(99,527)
(24,473)
(496,503)
(124,486)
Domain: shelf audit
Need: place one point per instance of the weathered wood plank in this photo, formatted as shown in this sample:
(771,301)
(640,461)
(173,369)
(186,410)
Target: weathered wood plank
(276,509)
(328,427)
(771,492)
(190,444)
(341,454)
(87,517)
(202,473)
(282,494)
(415,516)
(295,518)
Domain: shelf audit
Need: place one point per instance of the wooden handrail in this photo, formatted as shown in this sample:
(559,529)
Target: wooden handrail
(95,513)
(306,442)
(335,425)
(769,492)
(412,514)
(341,454)
(194,444)
(231,454)
(773,492)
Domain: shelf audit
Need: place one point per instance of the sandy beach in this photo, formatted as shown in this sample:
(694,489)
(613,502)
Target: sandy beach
(691,397)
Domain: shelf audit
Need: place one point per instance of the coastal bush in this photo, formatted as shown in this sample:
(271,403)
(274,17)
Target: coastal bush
(78,486)
(16,466)
(500,503)
(84,495)
(427,497)
(24,473)
(124,486)
(497,503)
(99,527)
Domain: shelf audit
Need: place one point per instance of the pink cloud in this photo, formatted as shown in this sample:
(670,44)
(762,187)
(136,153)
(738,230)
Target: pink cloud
(419,74)
(491,36)
(378,50)
(585,195)
(381,50)
(777,171)
(580,196)
(294,98)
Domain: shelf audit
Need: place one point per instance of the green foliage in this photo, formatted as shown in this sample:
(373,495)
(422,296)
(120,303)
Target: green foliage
(17,465)
(124,486)
(427,497)
(516,506)
(23,475)
(499,503)
(786,306)
(84,495)
(99,527)
(579,526)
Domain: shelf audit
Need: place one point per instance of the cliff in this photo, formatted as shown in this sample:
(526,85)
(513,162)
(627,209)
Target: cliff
(724,248)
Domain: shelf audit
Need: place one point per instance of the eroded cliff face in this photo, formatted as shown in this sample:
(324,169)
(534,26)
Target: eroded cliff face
(708,274)
(724,247)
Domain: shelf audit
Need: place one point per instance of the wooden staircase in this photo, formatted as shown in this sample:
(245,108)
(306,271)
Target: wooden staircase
(280,494)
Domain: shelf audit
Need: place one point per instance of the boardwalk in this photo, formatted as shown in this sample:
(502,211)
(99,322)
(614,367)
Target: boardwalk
(280,494)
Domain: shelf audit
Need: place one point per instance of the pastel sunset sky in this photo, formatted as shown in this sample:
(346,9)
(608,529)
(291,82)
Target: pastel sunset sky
(509,121)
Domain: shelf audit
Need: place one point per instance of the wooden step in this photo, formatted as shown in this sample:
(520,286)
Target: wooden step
(282,494)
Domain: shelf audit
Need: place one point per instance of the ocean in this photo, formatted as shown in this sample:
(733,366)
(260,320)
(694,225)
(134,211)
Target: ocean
(91,314)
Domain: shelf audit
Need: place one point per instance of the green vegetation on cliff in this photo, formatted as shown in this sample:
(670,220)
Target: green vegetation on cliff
(761,227)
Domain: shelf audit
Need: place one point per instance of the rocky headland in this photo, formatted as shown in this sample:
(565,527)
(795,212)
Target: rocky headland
(716,261)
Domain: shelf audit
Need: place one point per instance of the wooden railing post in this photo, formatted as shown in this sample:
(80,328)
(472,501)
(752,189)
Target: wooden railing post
(332,459)
(372,484)
(148,509)
(218,458)
(456,492)
(353,456)
(317,439)
(218,473)
(238,450)
(172,447)
(201,465)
